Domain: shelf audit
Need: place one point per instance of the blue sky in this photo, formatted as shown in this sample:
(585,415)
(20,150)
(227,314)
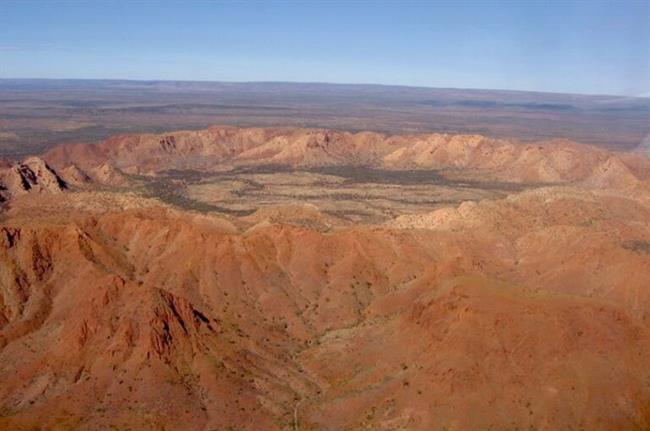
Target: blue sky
(562,46)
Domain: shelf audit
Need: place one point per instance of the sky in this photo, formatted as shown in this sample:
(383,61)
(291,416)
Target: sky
(590,47)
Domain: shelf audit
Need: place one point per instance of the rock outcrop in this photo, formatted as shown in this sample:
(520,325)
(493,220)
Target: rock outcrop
(32,175)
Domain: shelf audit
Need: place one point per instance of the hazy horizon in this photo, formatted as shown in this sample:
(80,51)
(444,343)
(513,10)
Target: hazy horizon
(595,48)
(324,83)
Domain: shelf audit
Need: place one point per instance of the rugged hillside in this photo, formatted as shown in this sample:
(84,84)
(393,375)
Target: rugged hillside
(108,315)
(523,309)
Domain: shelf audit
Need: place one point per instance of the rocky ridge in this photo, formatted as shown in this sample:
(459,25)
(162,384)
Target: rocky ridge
(529,311)
(558,161)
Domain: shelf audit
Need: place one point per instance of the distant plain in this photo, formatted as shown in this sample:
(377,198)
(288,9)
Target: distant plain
(38,114)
